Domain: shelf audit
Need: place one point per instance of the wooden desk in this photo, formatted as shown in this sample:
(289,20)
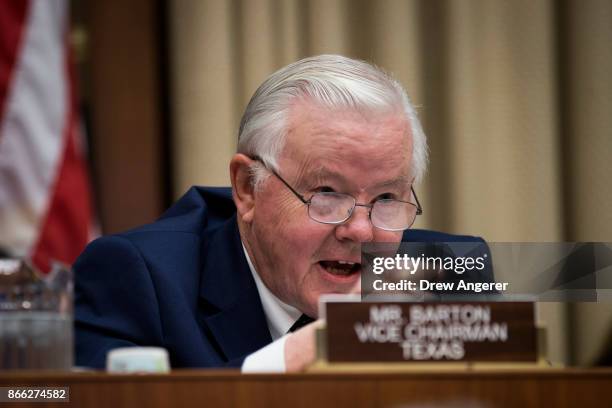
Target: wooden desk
(203,389)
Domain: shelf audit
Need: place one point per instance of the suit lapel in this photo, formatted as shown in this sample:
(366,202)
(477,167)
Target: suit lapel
(231,305)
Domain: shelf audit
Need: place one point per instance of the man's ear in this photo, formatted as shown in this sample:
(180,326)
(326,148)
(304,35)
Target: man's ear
(243,190)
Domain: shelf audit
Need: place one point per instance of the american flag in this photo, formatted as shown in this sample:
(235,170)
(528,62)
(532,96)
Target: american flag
(45,199)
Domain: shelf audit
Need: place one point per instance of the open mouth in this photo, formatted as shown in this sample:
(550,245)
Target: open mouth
(341,268)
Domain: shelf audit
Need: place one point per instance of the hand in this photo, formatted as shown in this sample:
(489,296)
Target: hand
(300,347)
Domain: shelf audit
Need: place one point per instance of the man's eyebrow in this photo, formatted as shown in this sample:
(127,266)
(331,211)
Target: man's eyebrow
(325,173)
(321,174)
(402,181)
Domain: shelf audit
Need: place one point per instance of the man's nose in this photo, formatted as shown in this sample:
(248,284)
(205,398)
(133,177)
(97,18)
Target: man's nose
(357,228)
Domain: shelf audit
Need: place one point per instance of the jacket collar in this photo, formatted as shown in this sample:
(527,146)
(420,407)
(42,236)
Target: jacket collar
(231,303)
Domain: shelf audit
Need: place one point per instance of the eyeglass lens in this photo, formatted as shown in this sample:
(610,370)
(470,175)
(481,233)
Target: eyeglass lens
(335,208)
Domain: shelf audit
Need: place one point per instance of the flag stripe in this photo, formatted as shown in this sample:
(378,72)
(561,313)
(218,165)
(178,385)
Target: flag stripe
(32,132)
(12,18)
(66,228)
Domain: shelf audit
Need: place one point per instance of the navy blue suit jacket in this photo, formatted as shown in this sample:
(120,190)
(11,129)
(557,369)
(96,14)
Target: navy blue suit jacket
(182,283)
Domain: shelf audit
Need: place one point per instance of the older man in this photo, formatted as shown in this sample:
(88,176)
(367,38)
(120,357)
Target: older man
(329,149)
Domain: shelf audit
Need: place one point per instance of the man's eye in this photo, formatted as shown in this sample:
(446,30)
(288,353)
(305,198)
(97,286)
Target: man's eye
(386,196)
(324,189)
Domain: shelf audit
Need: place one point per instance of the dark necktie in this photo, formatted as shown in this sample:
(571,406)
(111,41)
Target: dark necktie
(301,322)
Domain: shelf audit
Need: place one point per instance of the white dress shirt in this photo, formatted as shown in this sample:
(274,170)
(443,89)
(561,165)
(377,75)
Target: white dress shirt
(280,317)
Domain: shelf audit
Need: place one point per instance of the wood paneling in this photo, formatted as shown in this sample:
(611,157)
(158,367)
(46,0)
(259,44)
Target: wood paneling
(486,388)
(125,89)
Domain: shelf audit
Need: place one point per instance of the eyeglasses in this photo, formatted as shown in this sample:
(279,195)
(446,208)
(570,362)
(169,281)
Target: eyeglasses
(337,208)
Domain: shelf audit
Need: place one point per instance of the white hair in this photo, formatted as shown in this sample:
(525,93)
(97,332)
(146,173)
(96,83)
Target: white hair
(333,81)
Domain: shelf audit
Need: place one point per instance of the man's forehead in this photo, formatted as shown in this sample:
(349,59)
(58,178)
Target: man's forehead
(363,150)
(365,138)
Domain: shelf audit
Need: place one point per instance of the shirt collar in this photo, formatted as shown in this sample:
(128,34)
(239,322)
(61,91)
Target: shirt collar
(279,315)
